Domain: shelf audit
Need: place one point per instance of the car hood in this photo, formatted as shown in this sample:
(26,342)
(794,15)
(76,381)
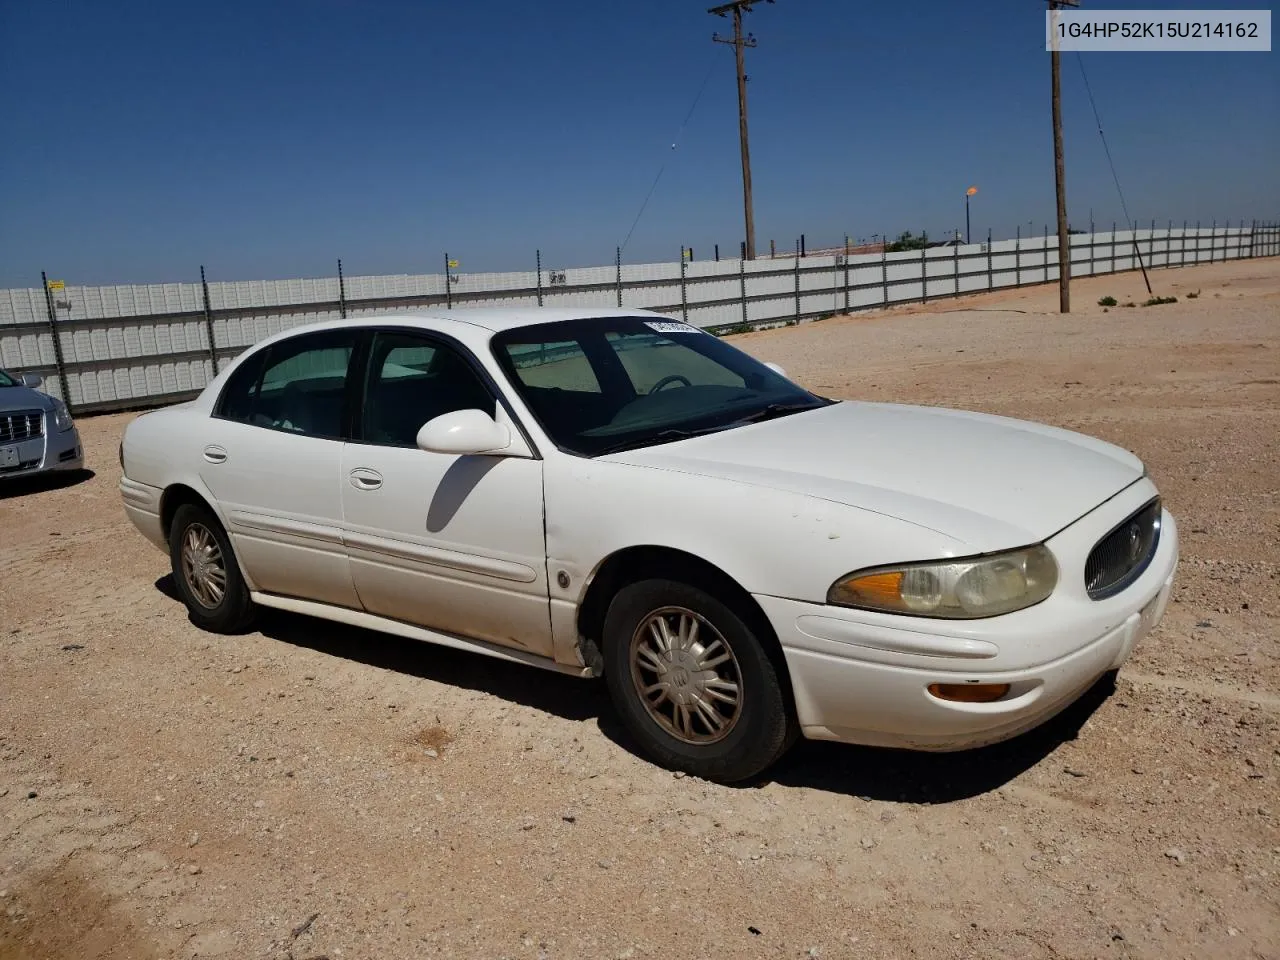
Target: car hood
(990,482)
(23,398)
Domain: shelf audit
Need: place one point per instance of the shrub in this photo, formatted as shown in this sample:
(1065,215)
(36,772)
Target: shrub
(1192,296)
(1107,302)
(1156,301)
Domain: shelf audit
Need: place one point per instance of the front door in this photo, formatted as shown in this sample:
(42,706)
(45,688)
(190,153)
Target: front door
(451,543)
(273,462)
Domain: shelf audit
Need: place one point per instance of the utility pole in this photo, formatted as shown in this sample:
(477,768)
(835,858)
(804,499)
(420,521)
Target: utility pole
(739,42)
(1059,164)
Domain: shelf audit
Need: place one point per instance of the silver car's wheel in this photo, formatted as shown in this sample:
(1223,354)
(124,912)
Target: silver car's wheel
(203,566)
(687,675)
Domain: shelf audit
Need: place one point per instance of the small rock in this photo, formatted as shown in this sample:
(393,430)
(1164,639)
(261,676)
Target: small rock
(236,669)
(754,931)
(1204,623)
(4,791)
(603,864)
(1232,932)
(31,794)
(569,818)
(3,894)
(72,646)
(194,869)
(679,774)
(867,843)
(1073,772)
(1177,855)
(259,804)
(193,839)
(432,752)
(988,846)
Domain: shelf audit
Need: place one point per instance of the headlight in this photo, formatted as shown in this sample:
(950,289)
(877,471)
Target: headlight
(61,416)
(953,589)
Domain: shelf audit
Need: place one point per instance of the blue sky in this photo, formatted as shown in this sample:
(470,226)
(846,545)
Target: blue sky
(266,139)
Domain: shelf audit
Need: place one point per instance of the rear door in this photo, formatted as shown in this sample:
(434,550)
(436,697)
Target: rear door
(273,461)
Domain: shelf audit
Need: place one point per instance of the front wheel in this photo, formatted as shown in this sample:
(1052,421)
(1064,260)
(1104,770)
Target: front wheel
(206,573)
(693,683)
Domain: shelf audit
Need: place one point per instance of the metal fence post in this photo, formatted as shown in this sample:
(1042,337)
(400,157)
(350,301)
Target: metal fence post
(1045,251)
(717,253)
(684,290)
(208,322)
(924,269)
(990,278)
(342,292)
(538,258)
(1113,247)
(448,283)
(1017,257)
(617,264)
(884,272)
(1213,239)
(57,341)
(846,273)
(742,281)
(799,245)
(1252,229)
(955,265)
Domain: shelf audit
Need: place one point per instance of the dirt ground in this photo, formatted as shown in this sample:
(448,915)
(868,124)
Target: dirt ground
(311,790)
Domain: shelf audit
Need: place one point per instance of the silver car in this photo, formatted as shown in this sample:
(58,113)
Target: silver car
(37,434)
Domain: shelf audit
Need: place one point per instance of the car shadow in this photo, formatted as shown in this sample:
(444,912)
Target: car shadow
(43,482)
(911,776)
(564,696)
(870,773)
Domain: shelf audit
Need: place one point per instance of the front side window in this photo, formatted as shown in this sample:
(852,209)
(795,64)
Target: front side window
(605,384)
(296,385)
(412,379)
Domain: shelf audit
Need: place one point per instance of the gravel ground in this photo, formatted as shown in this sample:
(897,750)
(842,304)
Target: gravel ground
(311,790)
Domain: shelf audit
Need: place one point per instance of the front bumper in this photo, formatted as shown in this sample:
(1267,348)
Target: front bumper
(862,677)
(56,450)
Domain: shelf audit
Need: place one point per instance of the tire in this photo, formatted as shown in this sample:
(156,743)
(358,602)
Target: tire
(742,739)
(228,611)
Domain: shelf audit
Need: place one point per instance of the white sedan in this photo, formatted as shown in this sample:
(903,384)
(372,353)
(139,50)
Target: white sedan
(616,492)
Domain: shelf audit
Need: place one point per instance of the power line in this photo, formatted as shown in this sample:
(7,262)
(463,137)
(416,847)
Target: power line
(1111,163)
(674,143)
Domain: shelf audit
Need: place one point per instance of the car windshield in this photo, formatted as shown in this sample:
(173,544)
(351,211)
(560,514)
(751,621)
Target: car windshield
(6,380)
(602,385)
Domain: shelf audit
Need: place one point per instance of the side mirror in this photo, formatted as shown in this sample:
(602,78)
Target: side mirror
(464,432)
(32,380)
(776,369)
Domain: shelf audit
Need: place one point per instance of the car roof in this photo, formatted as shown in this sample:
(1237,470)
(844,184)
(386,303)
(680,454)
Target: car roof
(493,319)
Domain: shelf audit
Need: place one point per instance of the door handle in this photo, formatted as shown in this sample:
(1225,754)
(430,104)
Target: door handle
(362,478)
(215,454)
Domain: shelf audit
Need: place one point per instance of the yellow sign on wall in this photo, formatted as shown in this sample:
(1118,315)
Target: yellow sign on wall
(57,285)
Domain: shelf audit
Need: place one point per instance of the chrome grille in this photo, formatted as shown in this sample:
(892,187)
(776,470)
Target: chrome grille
(1122,555)
(22,425)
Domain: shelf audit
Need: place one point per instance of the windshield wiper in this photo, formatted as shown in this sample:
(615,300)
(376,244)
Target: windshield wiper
(649,439)
(775,410)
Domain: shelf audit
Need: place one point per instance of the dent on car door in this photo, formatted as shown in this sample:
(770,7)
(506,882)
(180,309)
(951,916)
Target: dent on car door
(273,460)
(452,543)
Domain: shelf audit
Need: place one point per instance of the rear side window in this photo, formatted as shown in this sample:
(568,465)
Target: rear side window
(296,385)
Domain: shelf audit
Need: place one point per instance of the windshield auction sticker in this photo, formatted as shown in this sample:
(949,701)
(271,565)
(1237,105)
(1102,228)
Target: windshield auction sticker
(1205,31)
(671,326)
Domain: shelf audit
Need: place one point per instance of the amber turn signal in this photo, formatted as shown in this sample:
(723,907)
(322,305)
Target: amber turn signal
(969,692)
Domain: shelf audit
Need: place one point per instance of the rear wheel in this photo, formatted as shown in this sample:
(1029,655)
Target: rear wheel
(206,573)
(693,683)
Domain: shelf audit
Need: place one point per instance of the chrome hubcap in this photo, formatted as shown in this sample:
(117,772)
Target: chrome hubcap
(202,566)
(687,676)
